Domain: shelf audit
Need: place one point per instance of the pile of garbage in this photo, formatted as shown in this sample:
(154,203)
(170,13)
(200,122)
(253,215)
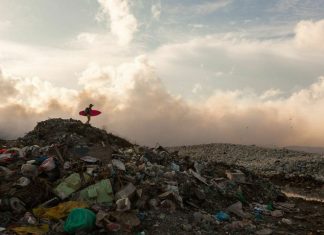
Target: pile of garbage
(51,183)
(268,162)
(69,131)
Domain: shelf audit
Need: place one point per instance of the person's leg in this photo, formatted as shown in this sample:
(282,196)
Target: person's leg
(88,121)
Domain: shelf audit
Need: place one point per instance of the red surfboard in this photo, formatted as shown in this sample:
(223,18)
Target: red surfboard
(92,113)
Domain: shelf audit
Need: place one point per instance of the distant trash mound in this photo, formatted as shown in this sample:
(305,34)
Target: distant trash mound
(69,131)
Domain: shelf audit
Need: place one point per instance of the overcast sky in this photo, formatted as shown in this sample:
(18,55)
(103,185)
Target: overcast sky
(167,71)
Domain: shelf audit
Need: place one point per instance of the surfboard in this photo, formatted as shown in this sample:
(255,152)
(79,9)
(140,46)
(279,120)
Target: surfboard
(92,113)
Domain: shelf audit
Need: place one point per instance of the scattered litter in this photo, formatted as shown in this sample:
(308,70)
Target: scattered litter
(277,213)
(237,176)
(198,176)
(35,230)
(5,172)
(23,181)
(118,164)
(53,185)
(48,164)
(287,221)
(222,216)
(100,192)
(123,204)
(58,212)
(175,167)
(80,219)
(29,218)
(89,159)
(265,231)
(29,170)
(126,192)
(71,184)
(238,210)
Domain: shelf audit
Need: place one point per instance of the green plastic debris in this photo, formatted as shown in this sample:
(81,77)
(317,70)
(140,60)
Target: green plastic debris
(100,192)
(70,185)
(239,195)
(79,219)
(270,206)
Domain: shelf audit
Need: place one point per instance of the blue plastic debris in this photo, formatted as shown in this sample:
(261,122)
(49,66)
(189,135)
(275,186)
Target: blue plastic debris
(222,216)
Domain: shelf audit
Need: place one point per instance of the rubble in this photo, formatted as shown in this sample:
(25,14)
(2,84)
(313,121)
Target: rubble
(65,176)
(71,184)
(269,162)
(237,176)
(237,210)
(126,192)
(287,221)
(277,213)
(265,231)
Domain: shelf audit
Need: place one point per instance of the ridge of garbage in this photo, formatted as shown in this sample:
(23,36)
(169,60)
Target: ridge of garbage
(65,177)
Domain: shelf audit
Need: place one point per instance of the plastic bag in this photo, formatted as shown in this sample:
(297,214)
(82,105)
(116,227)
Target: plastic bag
(29,170)
(34,230)
(80,219)
(48,164)
(58,212)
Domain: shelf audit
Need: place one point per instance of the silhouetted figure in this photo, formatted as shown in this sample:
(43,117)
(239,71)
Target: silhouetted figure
(88,113)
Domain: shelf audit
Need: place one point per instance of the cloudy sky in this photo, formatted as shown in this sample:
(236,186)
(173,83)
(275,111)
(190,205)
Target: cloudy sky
(167,71)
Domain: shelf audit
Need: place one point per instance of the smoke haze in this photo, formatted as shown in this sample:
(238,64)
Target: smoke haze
(136,105)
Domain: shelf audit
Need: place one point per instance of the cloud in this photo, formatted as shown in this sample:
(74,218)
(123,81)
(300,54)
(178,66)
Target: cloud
(62,65)
(201,8)
(310,35)
(198,26)
(197,88)
(301,9)
(210,7)
(25,101)
(86,38)
(285,5)
(31,61)
(271,94)
(122,23)
(5,25)
(136,105)
(32,92)
(156,11)
(234,61)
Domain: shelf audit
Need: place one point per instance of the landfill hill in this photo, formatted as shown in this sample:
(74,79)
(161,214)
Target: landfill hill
(307,149)
(57,130)
(66,177)
(298,173)
(268,162)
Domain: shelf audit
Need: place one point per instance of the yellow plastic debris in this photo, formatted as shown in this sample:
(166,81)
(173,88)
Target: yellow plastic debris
(58,212)
(31,230)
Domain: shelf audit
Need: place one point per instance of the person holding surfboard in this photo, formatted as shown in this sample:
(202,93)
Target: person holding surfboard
(89,112)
